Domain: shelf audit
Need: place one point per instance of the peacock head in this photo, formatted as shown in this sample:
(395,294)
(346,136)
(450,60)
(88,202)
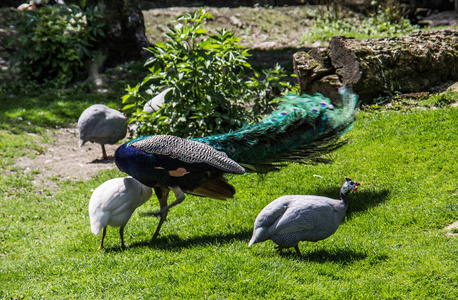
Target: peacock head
(348,186)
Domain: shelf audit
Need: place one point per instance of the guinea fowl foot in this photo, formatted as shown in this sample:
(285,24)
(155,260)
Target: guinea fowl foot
(280,250)
(104,232)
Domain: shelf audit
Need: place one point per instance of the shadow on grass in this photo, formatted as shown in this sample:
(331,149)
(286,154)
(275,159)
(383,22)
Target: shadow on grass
(339,256)
(366,199)
(101,160)
(357,202)
(174,242)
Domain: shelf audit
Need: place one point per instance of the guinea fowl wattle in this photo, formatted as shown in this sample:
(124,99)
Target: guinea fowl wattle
(291,219)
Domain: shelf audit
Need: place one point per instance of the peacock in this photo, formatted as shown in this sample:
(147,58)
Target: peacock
(302,129)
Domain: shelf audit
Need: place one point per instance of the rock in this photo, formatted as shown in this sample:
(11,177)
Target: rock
(374,67)
(453,87)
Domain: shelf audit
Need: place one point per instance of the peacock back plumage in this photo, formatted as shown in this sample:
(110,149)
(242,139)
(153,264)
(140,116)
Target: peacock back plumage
(303,129)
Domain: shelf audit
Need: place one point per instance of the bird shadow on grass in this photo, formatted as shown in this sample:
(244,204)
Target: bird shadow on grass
(357,202)
(108,160)
(341,256)
(363,201)
(174,242)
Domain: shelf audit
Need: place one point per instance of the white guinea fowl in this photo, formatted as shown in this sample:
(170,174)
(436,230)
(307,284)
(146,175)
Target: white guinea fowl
(291,219)
(113,202)
(103,125)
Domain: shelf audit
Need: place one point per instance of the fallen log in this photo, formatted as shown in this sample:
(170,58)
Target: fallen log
(374,67)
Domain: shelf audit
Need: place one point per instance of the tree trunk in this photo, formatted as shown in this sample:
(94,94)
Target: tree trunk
(124,29)
(373,67)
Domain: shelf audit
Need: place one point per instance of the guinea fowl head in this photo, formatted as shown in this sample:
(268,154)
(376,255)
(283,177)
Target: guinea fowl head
(348,186)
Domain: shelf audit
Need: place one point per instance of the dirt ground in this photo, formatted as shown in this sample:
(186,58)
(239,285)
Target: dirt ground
(64,160)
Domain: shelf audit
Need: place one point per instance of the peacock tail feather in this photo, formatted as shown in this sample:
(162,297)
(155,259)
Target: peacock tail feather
(303,129)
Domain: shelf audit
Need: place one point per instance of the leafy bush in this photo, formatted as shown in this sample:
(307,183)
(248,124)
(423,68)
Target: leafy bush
(54,41)
(207,72)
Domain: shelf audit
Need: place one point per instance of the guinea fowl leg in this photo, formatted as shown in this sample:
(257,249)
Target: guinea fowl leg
(297,250)
(104,153)
(104,232)
(121,234)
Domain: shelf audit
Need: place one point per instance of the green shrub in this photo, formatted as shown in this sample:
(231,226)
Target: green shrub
(54,41)
(208,73)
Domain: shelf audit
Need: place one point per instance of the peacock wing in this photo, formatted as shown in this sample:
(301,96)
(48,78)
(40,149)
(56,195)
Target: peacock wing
(177,149)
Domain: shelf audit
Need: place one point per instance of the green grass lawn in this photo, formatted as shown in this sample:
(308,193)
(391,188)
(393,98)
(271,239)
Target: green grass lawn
(391,245)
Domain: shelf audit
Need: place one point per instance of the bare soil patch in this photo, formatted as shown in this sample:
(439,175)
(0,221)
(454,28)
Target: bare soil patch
(64,160)
(452,229)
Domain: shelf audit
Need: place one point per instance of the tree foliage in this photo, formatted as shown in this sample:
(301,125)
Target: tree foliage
(53,42)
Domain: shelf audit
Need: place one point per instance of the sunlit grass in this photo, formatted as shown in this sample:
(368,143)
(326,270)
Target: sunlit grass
(391,244)
(381,24)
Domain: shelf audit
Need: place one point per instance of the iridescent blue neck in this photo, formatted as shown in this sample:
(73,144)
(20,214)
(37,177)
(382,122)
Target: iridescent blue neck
(136,140)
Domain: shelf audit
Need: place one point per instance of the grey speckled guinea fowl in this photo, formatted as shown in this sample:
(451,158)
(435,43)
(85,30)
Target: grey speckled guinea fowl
(103,125)
(291,219)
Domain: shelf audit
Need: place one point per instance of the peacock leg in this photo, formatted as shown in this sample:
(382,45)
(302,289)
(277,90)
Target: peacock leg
(104,153)
(121,234)
(179,195)
(104,231)
(162,195)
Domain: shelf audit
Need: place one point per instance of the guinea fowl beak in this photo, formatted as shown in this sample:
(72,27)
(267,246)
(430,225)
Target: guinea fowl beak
(356,187)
